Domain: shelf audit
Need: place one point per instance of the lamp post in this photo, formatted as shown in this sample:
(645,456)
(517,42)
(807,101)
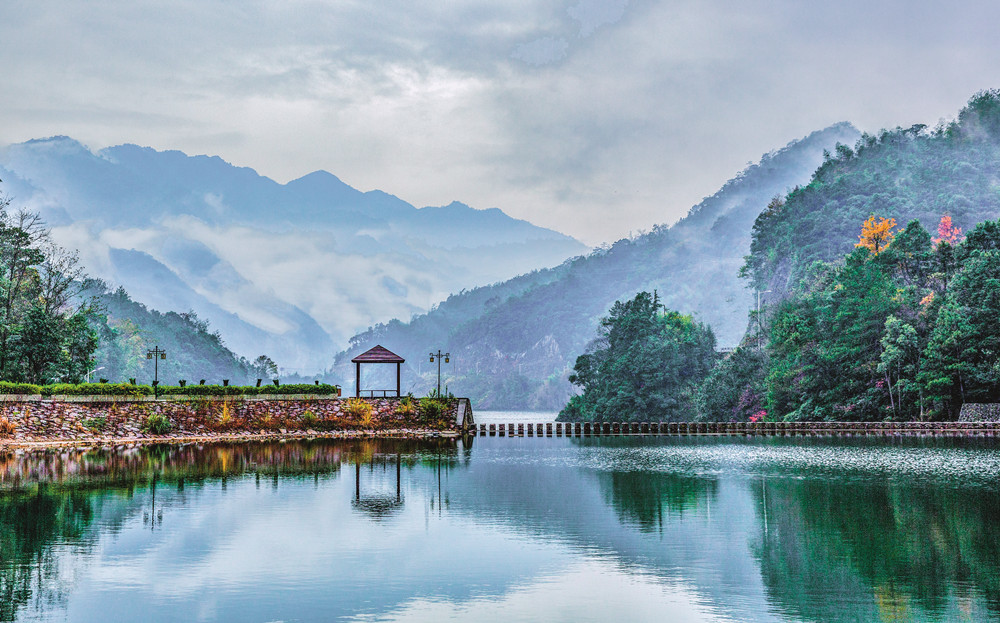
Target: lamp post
(446,360)
(89,372)
(156,355)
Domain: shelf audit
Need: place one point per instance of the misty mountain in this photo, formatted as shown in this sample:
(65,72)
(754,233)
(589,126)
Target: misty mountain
(906,173)
(514,342)
(287,269)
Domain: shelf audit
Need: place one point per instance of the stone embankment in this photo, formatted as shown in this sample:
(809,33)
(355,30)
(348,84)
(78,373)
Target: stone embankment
(979,412)
(106,419)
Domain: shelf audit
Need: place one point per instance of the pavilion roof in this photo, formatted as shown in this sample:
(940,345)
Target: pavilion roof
(378,354)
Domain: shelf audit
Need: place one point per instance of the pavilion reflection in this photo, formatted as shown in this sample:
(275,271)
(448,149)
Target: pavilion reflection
(378,504)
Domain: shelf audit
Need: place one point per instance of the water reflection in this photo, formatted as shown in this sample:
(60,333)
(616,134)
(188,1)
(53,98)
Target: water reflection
(644,499)
(29,524)
(903,550)
(378,505)
(762,530)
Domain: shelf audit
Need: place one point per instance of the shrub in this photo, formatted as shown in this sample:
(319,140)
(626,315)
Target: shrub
(7,428)
(96,389)
(360,410)
(157,424)
(128,389)
(249,390)
(95,424)
(301,388)
(309,419)
(208,390)
(432,408)
(267,422)
(406,406)
(225,419)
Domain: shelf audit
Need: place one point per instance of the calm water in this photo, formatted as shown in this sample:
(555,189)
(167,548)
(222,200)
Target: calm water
(499,529)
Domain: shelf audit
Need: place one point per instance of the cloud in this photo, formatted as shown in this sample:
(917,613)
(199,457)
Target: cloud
(592,14)
(541,51)
(563,113)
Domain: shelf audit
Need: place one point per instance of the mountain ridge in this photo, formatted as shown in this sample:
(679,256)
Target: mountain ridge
(255,248)
(513,342)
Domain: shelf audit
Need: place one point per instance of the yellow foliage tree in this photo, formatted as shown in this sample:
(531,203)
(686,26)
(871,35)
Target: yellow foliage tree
(876,234)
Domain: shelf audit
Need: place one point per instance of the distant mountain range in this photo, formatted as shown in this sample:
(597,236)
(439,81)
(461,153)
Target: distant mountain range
(514,343)
(290,270)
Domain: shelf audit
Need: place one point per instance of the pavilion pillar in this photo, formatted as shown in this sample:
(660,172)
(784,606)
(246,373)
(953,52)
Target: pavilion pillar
(397,379)
(357,380)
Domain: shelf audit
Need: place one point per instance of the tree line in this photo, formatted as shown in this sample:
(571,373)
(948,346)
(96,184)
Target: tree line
(894,323)
(905,327)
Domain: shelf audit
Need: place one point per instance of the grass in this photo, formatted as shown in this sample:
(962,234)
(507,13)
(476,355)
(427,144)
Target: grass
(157,424)
(95,424)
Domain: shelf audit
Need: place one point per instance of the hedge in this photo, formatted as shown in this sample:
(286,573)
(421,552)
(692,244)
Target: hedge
(127,389)
(19,388)
(247,390)
(82,389)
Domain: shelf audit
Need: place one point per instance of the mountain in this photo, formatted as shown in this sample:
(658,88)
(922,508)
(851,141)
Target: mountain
(127,330)
(514,342)
(284,269)
(872,316)
(906,173)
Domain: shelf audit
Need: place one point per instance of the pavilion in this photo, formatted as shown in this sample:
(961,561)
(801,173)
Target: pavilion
(378,354)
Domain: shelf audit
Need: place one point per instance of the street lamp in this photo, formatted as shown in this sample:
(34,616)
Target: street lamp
(156,355)
(446,360)
(89,372)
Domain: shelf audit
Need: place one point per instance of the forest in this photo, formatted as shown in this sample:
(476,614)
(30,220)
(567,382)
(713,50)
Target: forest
(865,318)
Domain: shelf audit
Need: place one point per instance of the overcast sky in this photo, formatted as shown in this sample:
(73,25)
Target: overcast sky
(593,117)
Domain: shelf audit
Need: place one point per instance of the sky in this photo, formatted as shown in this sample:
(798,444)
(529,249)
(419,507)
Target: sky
(597,118)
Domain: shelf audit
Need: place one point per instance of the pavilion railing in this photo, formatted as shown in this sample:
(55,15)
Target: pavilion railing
(379,393)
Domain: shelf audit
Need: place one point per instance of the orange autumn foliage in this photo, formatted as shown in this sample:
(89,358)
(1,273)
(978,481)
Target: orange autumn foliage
(947,232)
(876,234)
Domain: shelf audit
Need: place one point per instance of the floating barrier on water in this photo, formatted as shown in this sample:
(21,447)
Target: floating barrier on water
(742,429)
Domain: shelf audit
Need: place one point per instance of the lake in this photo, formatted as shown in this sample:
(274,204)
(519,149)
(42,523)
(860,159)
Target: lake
(506,529)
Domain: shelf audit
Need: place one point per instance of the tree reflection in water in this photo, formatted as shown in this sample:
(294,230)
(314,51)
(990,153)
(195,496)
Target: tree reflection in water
(903,548)
(646,498)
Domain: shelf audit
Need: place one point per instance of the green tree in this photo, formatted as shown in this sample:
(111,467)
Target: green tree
(646,364)
(263,367)
(900,366)
(735,389)
(964,347)
(912,252)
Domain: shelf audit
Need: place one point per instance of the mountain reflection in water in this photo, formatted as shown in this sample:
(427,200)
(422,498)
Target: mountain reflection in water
(530,529)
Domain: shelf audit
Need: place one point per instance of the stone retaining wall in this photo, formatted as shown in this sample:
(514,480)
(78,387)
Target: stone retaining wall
(107,417)
(980,412)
